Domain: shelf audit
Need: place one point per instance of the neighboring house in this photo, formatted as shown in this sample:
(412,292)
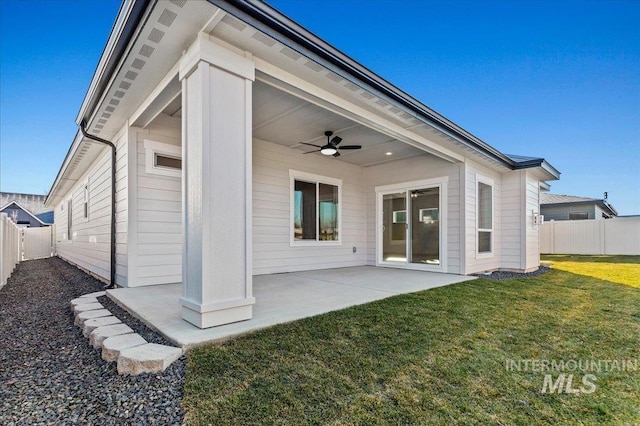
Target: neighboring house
(569,207)
(211,107)
(22,216)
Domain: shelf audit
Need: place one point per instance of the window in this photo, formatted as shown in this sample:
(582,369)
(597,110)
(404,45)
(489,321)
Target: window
(485,216)
(315,208)
(162,159)
(578,215)
(400,216)
(86,201)
(429,215)
(69,219)
(167,161)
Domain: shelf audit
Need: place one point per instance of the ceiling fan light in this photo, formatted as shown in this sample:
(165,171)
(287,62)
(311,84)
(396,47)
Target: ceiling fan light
(328,150)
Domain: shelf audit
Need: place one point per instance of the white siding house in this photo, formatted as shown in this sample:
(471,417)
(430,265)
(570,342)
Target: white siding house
(214,108)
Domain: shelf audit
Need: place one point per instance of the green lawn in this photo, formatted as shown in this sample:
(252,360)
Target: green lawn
(434,357)
(618,269)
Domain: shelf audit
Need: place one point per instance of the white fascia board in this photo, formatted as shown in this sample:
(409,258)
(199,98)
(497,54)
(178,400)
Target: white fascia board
(116,32)
(359,114)
(77,140)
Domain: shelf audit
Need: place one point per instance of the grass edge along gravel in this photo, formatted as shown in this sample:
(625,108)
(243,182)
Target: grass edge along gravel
(433,357)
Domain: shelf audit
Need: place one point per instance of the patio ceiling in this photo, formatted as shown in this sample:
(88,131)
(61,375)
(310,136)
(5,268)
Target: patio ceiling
(287,120)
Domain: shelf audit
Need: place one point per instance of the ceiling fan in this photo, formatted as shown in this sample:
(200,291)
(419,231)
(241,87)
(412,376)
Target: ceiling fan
(331,148)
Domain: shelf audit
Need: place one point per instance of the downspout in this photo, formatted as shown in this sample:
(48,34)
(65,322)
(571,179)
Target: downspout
(112,283)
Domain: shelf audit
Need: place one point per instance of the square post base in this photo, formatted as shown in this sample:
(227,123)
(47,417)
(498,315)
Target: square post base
(211,316)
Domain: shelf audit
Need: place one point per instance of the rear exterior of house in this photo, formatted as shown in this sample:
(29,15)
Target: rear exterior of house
(211,107)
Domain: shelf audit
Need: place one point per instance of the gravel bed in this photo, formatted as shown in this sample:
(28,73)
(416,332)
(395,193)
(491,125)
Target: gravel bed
(505,275)
(137,325)
(49,374)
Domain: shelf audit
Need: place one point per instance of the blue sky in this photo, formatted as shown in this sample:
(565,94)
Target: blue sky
(554,79)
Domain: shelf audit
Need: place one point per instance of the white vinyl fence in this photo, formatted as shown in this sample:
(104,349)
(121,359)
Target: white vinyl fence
(9,248)
(620,235)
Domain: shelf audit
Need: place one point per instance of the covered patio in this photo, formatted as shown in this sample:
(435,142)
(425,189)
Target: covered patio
(280,298)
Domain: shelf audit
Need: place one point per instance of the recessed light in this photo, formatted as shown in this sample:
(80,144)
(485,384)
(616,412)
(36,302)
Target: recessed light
(388,153)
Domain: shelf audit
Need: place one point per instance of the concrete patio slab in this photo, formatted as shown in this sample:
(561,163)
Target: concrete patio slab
(280,298)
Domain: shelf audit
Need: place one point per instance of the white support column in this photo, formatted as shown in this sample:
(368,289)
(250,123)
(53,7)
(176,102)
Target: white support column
(217,191)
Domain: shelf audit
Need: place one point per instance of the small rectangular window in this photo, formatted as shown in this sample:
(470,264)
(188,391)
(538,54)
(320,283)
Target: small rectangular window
(69,219)
(86,201)
(168,161)
(485,217)
(163,159)
(578,215)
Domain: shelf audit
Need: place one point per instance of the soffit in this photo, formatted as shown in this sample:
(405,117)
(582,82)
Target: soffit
(287,120)
(170,28)
(241,35)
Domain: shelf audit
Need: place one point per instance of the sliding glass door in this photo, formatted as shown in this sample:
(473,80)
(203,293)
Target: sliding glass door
(425,226)
(394,228)
(410,231)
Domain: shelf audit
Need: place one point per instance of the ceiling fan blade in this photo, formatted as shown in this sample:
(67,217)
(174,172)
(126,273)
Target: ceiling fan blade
(350,147)
(337,154)
(336,140)
(310,152)
(310,144)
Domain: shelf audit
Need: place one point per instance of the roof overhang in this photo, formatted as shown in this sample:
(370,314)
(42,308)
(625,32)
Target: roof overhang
(82,151)
(276,25)
(135,20)
(127,24)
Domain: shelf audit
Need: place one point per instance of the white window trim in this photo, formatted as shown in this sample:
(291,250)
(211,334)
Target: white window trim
(487,181)
(152,148)
(443,184)
(313,178)
(69,232)
(85,200)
